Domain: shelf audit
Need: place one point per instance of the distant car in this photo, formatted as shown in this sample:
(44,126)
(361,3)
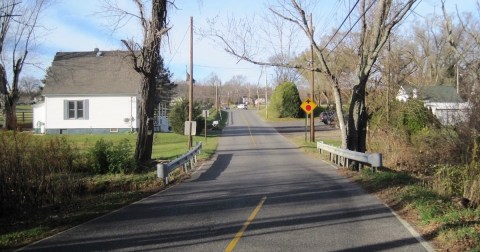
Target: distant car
(328,117)
(242,106)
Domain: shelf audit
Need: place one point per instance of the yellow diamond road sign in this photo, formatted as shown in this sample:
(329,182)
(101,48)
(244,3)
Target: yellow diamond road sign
(308,106)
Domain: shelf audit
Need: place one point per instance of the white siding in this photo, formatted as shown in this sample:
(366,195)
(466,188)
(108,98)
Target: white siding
(449,113)
(103,112)
(39,117)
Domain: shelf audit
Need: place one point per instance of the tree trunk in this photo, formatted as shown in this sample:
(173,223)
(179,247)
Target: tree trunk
(357,119)
(143,150)
(150,70)
(8,102)
(10,114)
(340,117)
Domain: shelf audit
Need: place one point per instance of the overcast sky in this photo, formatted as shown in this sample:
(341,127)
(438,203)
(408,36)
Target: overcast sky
(79,25)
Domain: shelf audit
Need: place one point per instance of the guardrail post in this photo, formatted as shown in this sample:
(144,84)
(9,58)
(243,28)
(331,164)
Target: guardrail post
(375,159)
(161,171)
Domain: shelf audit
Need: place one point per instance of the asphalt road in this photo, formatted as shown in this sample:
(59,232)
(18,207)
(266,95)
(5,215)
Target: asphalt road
(259,193)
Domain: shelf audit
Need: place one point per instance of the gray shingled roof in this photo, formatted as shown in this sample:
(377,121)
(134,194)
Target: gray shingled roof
(86,73)
(441,94)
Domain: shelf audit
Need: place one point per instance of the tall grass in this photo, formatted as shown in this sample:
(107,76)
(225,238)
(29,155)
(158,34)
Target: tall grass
(444,218)
(37,171)
(34,172)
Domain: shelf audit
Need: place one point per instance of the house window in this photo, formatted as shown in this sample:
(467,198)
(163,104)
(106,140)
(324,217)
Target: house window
(76,109)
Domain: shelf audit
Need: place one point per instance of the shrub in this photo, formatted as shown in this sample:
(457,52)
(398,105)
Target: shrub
(417,117)
(99,156)
(286,100)
(415,138)
(179,114)
(410,117)
(436,146)
(107,157)
(120,158)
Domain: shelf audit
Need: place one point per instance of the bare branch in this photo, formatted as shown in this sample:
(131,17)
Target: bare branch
(130,46)
(119,17)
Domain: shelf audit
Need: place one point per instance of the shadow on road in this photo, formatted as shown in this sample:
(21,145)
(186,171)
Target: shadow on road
(220,164)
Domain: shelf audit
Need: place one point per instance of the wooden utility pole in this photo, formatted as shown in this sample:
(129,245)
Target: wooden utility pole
(216,97)
(249,94)
(312,87)
(190,90)
(266,94)
(389,80)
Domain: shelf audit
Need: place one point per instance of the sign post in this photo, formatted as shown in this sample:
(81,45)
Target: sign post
(205,114)
(308,106)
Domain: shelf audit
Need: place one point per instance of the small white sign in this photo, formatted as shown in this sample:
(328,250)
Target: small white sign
(193,125)
(205,113)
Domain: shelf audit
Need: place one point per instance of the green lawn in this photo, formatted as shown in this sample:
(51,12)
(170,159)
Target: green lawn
(166,146)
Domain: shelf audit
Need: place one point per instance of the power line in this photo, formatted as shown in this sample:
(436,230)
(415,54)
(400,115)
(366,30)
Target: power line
(222,67)
(178,47)
(330,16)
(413,11)
(343,22)
(351,28)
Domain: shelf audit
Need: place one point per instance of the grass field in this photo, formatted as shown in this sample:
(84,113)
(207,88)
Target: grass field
(166,146)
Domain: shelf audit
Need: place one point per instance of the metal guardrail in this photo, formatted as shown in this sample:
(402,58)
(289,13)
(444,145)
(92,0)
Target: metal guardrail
(344,157)
(187,160)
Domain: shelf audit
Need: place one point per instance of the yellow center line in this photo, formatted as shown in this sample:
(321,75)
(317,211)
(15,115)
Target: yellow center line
(249,130)
(239,234)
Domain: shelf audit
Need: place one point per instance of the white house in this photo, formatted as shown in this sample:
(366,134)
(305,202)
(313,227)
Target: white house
(444,102)
(405,93)
(89,92)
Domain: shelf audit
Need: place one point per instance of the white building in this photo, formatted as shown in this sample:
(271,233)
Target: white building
(444,102)
(89,92)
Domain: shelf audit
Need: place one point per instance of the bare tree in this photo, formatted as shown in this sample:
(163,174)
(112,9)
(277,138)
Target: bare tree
(466,48)
(29,86)
(18,20)
(284,74)
(214,82)
(373,34)
(237,88)
(148,62)
(283,39)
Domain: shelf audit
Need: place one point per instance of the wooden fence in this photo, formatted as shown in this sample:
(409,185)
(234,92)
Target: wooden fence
(24,119)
